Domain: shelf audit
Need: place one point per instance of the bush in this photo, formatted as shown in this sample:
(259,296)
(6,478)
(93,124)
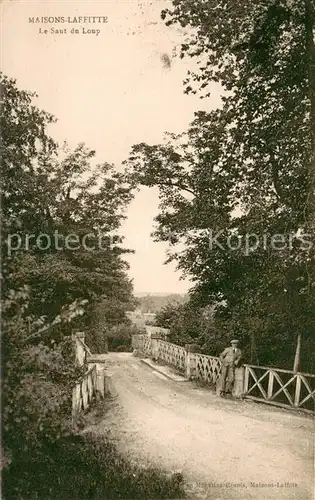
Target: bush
(82,468)
(44,459)
(119,337)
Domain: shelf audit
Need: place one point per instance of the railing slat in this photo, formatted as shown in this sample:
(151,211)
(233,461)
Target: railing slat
(208,369)
(297,391)
(311,393)
(84,391)
(293,398)
(246,379)
(257,382)
(281,370)
(283,387)
(270,384)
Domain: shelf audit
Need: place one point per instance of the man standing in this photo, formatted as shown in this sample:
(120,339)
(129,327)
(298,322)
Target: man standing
(230,358)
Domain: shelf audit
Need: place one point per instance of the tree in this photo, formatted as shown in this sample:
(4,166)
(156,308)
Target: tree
(245,170)
(153,303)
(51,286)
(63,215)
(49,291)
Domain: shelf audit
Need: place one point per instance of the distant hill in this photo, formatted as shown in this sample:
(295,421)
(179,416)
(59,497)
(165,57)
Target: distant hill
(154,302)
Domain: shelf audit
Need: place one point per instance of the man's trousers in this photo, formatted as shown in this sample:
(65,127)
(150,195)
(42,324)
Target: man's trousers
(227,378)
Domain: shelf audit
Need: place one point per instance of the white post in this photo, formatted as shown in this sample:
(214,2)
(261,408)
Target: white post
(155,346)
(187,364)
(100,381)
(238,388)
(297,390)
(80,353)
(246,380)
(190,360)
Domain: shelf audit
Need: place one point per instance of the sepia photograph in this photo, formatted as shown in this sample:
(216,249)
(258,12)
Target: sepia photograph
(157,249)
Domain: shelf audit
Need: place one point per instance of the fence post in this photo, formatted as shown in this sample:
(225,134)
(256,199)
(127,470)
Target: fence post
(297,390)
(238,382)
(155,337)
(80,354)
(100,381)
(270,385)
(246,379)
(190,360)
(148,346)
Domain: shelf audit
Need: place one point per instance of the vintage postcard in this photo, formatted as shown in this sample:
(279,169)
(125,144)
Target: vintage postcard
(157,239)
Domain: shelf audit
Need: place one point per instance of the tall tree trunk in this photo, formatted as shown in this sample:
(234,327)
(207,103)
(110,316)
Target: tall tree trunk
(296,365)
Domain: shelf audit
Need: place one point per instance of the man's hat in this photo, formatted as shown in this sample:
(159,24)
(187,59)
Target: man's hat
(234,341)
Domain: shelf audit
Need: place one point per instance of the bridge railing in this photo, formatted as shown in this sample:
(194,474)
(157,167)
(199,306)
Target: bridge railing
(171,354)
(208,368)
(269,385)
(94,381)
(82,352)
(143,343)
(280,387)
(84,392)
(147,345)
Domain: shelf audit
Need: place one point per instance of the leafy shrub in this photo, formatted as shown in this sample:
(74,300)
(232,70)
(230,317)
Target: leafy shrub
(119,337)
(82,468)
(44,459)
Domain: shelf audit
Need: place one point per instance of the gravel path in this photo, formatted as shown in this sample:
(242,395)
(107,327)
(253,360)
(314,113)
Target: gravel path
(225,449)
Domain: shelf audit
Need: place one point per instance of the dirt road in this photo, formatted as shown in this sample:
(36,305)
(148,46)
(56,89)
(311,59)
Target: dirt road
(225,449)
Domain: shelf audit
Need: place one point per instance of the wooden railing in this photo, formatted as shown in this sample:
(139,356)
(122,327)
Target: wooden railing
(208,368)
(280,387)
(271,385)
(85,347)
(87,352)
(84,392)
(172,354)
(147,348)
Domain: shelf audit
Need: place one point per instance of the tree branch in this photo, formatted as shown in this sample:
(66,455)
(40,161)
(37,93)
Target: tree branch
(179,185)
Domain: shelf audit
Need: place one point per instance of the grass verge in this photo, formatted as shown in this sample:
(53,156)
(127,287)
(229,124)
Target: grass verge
(83,468)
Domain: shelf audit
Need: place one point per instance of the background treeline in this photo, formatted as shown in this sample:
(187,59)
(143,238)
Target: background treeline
(154,302)
(212,331)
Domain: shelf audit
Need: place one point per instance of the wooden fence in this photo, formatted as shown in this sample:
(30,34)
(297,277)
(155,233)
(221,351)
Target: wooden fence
(82,352)
(208,368)
(171,354)
(275,386)
(146,344)
(280,387)
(84,392)
(85,347)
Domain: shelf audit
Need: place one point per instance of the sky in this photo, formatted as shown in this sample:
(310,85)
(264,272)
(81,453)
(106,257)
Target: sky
(110,91)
